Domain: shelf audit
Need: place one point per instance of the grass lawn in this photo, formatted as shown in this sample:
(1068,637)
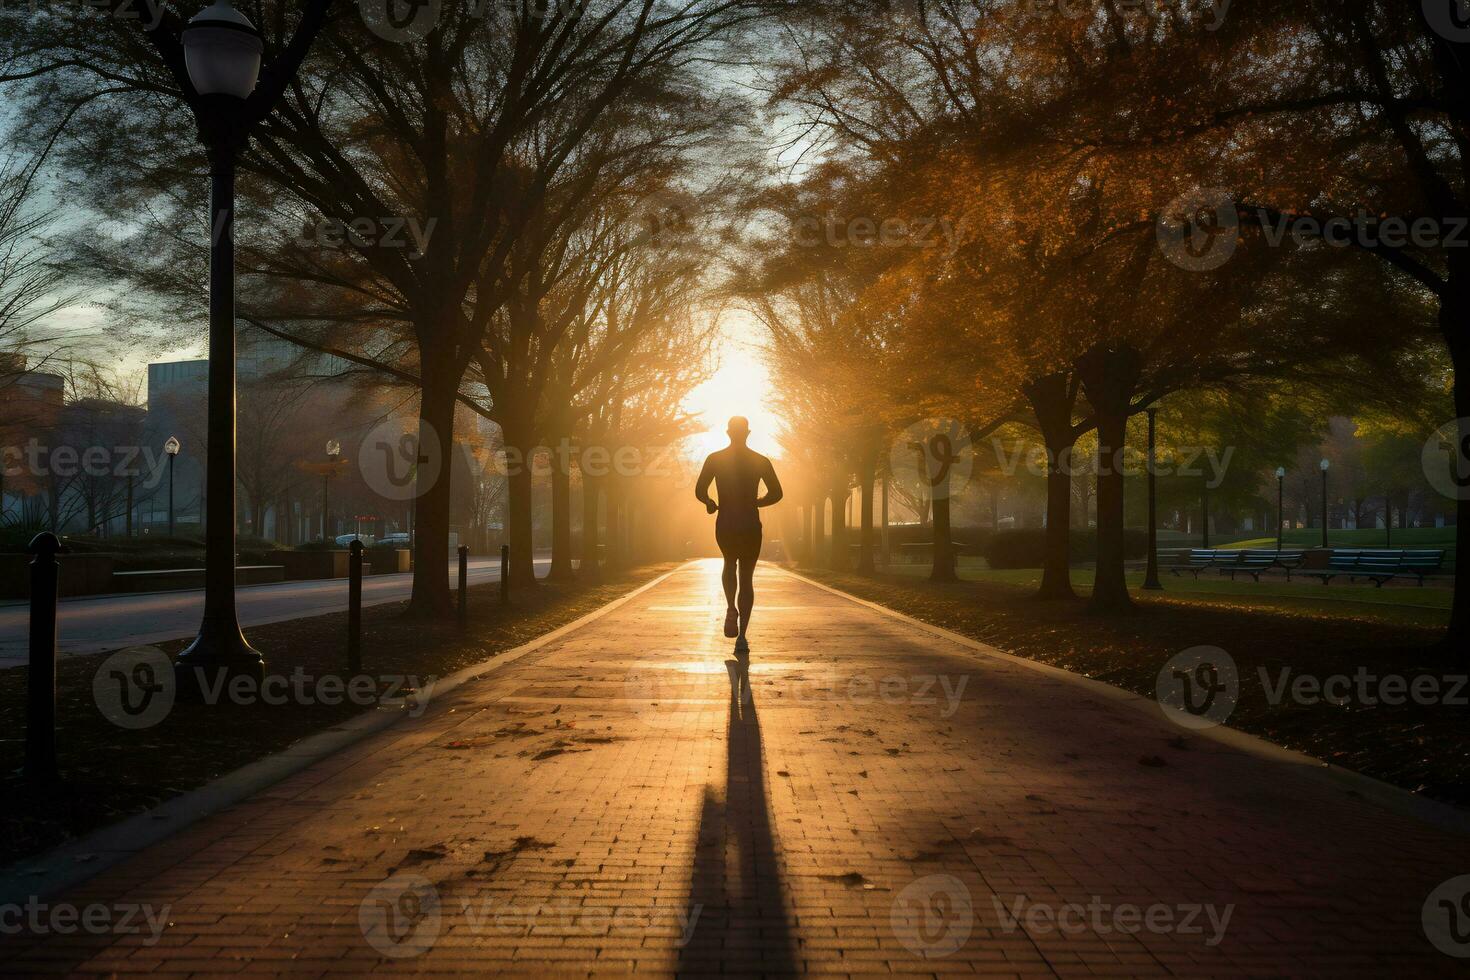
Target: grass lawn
(1409,537)
(111,772)
(1421,747)
(1403,604)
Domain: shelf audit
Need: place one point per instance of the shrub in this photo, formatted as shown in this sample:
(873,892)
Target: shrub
(1026,548)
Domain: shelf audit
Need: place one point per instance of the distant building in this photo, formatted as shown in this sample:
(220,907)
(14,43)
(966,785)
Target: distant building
(30,403)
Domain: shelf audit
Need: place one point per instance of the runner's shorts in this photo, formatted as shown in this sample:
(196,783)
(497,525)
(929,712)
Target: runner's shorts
(740,544)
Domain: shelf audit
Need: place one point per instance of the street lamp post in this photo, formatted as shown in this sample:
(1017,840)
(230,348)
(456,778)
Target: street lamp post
(216,61)
(1151,576)
(171,447)
(1280,499)
(1325,464)
(334,451)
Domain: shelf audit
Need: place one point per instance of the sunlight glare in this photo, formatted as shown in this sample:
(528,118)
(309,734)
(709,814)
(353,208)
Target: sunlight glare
(741,386)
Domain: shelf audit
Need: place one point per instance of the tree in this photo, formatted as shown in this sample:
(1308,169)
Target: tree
(374,135)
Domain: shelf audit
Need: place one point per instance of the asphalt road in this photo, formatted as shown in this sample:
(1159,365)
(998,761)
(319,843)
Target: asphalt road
(96,624)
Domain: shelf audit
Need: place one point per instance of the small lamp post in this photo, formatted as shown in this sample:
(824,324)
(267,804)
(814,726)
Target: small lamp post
(171,447)
(334,452)
(1280,500)
(1325,464)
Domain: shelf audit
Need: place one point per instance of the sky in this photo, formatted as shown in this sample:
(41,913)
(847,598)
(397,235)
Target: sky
(741,385)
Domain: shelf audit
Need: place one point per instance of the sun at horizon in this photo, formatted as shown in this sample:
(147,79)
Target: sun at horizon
(740,386)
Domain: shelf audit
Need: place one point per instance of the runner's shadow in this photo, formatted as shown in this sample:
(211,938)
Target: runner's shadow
(735,887)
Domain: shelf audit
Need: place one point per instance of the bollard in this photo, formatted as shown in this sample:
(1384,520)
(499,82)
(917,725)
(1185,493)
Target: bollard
(40,765)
(464,584)
(505,573)
(354,609)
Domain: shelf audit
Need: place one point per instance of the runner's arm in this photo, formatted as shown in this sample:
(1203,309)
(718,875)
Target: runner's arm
(701,487)
(774,493)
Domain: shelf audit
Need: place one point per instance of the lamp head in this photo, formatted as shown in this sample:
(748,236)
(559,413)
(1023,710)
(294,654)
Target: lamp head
(1325,464)
(1281,472)
(334,448)
(172,446)
(222,51)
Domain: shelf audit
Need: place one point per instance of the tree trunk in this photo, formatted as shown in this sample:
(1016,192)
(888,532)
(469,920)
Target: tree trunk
(886,541)
(430,598)
(561,516)
(808,549)
(591,568)
(942,569)
(865,550)
(837,556)
(519,528)
(612,549)
(1052,398)
(1110,377)
(518,435)
(819,528)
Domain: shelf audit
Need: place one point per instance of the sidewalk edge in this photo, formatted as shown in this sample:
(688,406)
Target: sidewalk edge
(70,864)
(1445,816)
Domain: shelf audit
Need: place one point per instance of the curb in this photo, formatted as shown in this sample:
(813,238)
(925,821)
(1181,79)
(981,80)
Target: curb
(1444,816)
(44,875)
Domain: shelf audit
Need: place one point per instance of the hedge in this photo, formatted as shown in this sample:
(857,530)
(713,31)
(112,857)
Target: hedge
(1026,548)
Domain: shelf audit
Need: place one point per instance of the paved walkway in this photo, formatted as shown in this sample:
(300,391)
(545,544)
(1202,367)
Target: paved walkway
(884,801)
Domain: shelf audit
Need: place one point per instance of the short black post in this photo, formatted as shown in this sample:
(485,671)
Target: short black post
(40,765)
(505,573)
(354,608)
(464,584)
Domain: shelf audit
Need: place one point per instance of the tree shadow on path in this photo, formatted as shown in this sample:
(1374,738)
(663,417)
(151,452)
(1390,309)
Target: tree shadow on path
(735,885)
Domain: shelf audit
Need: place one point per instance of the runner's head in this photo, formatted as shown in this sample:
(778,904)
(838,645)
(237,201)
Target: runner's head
(738,430)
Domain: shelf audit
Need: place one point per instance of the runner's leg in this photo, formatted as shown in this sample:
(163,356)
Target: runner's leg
(728,579)
(747,584)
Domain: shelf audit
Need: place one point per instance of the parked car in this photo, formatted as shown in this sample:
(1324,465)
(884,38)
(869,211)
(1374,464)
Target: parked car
(344,540)
(398,539)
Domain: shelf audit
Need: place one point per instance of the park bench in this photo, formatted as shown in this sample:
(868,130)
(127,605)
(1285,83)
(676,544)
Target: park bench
(1196,560)
(1422,562)
(1379,565)
(1251,562)
(1290,561)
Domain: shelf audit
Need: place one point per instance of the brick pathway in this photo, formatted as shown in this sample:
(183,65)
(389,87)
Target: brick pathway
(884,801)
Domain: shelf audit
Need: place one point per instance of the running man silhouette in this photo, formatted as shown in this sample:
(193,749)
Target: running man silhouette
(737,472)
